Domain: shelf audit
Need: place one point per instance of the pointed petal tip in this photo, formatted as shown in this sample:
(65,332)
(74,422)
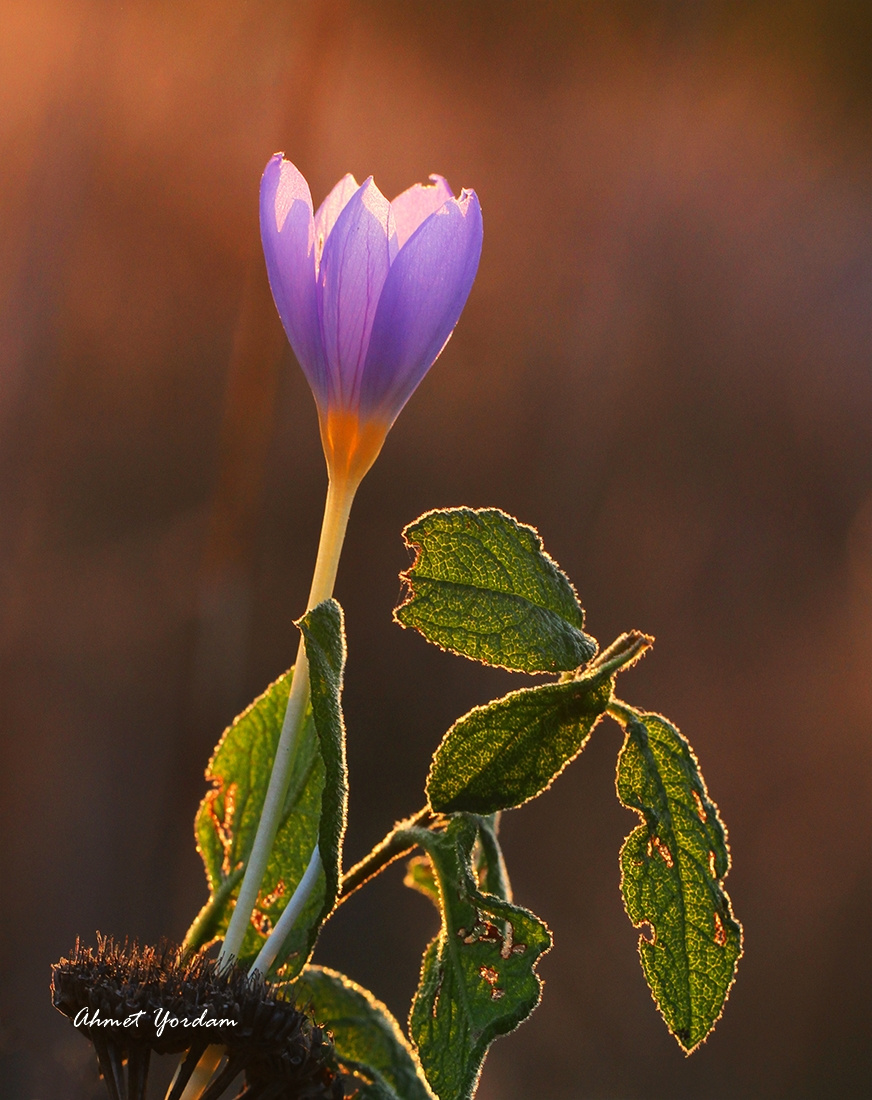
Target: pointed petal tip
(369,186)
(274,166)
(282,184)
(329,211)
(370,197)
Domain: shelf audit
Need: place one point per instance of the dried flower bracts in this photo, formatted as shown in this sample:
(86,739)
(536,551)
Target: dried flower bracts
(131,1000)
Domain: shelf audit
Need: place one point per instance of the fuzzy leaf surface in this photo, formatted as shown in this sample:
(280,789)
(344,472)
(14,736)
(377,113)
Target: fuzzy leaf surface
(367,1038)
(483,586)
(324,633)
(501,755)
(239,771)
(672,871)
(478,976)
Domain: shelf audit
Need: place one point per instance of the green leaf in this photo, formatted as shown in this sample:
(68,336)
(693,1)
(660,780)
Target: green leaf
(368,1040)
(478,976)
(483,586)
(239,771)
(503,754)
(324,632)
(672,871)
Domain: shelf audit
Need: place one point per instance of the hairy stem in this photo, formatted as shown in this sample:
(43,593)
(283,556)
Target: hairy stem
(625,650)
(404,836)
(203,928)
(621,711)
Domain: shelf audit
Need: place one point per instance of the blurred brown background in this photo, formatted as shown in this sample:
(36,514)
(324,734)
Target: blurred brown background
(664,365)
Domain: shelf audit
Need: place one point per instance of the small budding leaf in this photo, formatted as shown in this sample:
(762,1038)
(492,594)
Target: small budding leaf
(420,876)
(478,976)
(503,754)
(672,871)
(369,1043)
(483,586)
(314,810)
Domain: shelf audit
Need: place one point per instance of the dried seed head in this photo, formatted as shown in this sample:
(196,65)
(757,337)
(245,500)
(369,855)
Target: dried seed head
(131,1000)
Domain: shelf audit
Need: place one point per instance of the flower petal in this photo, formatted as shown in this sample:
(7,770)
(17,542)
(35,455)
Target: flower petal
(329,211)
(287,232)
(416,204)
(421,302)
(354,266)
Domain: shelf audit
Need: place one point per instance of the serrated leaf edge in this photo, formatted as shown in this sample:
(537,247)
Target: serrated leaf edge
(408,581)
(489,903)
(517,693)
(622,713)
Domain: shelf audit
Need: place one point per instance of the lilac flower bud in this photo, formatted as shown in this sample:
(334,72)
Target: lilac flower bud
(369,291)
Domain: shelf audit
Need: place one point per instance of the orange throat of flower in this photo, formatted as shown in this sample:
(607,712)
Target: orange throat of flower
(351,445)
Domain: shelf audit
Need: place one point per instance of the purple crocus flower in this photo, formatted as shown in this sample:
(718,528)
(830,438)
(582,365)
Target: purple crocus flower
(369,292)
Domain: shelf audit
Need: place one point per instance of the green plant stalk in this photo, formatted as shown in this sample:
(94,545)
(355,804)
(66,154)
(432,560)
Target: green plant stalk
(340,496)
(621,711)
(285,923)
(399,842)
(624,651)
(202,1075)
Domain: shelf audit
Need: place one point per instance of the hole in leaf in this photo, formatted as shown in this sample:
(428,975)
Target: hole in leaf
(437,993)
(482,932)
(223,825)
(662,850)
(260,920)
(700,809)
(508,941)
(492,977)
(269,901)
(720,931)
(489,933)
(261,923)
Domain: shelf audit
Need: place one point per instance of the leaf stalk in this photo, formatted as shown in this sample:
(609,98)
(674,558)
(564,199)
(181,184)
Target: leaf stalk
(624,651)
(402,839)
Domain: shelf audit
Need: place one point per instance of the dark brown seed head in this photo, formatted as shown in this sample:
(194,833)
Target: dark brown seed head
(131,1000)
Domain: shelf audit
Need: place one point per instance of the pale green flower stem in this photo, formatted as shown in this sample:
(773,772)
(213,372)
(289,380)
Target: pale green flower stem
(340,495)
(203,1073)
(269,951)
